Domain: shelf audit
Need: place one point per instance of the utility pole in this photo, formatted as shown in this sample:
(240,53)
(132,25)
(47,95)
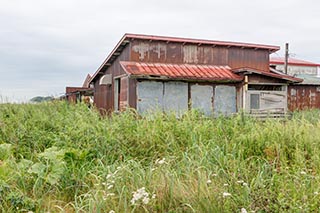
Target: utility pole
(286,57)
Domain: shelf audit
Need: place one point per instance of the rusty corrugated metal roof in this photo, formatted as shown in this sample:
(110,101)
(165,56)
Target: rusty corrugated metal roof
(270,74)
(293,61)
(181,71)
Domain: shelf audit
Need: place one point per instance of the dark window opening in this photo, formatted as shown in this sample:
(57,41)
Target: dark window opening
(265,87)
(254,101)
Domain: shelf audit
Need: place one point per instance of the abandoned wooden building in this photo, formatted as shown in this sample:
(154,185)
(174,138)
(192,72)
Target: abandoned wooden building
(176,74)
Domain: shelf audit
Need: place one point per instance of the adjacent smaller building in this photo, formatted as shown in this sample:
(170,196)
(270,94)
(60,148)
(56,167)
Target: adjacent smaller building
(305,94)
(79,94)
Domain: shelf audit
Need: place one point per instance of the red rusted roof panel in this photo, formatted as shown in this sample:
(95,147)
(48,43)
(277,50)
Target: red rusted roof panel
(181,71)
(293,61)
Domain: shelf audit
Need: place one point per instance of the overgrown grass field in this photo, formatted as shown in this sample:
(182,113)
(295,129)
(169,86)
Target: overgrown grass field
(57,157)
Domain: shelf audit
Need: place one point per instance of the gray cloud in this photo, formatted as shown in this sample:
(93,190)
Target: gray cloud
(47,45)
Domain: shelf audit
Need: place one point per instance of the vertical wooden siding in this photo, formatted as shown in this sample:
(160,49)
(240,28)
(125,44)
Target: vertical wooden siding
(123,99)
(162,52)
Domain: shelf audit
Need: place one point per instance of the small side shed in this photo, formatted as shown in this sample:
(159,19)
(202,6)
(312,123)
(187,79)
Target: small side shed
(304,95)
(265,92)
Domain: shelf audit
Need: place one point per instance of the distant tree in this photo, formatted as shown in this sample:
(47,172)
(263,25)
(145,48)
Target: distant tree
(39,99)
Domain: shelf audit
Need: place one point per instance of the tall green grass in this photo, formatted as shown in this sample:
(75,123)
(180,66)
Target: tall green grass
(59,157)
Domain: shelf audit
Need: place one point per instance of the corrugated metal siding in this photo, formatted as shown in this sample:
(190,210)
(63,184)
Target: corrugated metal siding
(255,59)
(235,57)
(175,97)
(302,97)
(150,96)
(202,98)
(225,100)
(100,96)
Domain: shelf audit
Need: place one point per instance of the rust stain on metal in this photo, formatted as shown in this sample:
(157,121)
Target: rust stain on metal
(302,97)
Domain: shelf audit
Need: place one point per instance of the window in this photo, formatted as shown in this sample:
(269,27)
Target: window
(254,101)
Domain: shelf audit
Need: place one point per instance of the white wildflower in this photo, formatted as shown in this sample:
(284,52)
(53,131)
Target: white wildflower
(109,186)
(226,194)
(112,211)
(160,161)
(243,210)
(30,212)
(214,175)
(140,194)
(316,193)
(153,196)
(109,176)
(225,184)
(303,173)
(209,181)
(145,200)
(240,181)
(104,183)
(244,184)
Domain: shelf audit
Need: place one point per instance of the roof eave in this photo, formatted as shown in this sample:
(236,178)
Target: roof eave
(114,53)
(271,48)
(250,71)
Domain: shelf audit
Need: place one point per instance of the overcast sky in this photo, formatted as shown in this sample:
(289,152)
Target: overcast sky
(46,45)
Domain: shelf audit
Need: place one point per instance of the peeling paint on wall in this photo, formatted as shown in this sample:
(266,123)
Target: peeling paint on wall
(145,50)
(160,49)
(190,54)
(142,49)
